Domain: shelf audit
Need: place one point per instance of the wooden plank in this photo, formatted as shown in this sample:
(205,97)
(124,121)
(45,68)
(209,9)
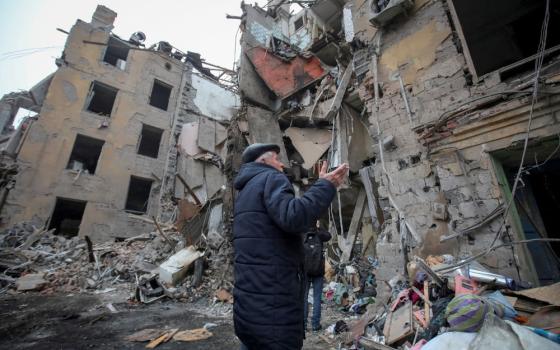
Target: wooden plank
(160,231)
(189,189)
(348,243)
(340,92)
(372,200)
(426,302)
(369,237)
(398,324)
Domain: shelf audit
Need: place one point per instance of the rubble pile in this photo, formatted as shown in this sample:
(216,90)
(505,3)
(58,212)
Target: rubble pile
(441,303)
(67,265)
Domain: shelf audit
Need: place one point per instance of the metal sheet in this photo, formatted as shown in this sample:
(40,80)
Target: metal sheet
(285,77)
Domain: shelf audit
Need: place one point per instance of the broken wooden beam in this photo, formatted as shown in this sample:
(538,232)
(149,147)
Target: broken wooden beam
(371,198)
(160,231)
(189,189)
(340,92)
(347,244)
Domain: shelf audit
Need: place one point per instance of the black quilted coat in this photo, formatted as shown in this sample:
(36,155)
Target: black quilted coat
(268,267)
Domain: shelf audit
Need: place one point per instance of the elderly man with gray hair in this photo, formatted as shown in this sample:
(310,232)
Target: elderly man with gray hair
(268,227)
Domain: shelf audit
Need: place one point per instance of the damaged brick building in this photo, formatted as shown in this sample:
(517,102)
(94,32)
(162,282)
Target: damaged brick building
(428,101)
(101,158)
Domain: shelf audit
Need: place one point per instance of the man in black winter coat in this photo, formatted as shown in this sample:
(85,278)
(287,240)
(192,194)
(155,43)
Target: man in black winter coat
(267,237)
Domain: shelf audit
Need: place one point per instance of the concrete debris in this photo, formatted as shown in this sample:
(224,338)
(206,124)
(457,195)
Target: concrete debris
(310,143)
(175,267)
(32,281)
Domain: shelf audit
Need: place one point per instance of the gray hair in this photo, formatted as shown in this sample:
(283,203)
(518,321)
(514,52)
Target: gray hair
(264,156)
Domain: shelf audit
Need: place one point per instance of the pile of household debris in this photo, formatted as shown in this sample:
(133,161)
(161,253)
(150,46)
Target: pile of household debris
(439,305)
(150,266)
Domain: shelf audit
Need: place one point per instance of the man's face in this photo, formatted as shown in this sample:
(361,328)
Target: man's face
(274,162)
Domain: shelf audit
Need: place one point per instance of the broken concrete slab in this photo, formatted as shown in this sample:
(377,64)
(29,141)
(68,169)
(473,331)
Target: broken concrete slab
(175,268)
(310,143)
(263,127)
(32,281)
(210,134)
(188,139)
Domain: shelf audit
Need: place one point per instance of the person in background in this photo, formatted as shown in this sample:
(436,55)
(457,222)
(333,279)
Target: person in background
(314,272)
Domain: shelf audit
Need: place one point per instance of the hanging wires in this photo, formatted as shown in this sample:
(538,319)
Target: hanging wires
(538,66)
(12,55)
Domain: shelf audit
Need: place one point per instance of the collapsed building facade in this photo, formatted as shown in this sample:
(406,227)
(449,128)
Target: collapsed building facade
(428,103)
(113,134)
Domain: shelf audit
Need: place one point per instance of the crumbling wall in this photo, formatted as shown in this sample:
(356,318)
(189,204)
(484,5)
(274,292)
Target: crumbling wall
(444,181)
(44,156)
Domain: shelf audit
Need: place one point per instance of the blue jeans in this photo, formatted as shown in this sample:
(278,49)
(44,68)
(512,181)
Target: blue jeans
(317,292)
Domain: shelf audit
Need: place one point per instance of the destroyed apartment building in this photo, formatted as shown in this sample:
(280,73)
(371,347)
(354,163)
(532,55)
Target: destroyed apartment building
(428,102)
(447,112)
(119,126)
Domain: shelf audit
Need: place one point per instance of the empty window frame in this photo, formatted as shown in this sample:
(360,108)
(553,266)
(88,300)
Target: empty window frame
(101,98)
(67,216)
(501,33)
(160,95)
(298,23)
(116,53)
(138,195)
(150,139)
(85,154)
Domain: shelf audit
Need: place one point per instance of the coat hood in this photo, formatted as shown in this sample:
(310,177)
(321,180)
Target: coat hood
(249,171)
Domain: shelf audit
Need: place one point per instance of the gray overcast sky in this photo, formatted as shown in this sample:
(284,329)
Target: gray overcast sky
(199,26)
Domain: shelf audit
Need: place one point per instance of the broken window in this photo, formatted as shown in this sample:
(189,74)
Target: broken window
(101,98)
(298,23)
(537,202)
(85,154)
(116,53)
(67,216)
(501,33)
(160,95)
(150,139)
(138,195)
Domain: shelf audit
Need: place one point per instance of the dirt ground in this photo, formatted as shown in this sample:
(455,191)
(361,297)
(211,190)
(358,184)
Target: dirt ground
(83,321)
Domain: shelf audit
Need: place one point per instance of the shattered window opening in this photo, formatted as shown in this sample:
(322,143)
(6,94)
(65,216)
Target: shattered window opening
(160,95)
(298,23)
(116,53)
(67,216)
(101,99)
(138,195)
(505,33)
(85,154)
(150,139)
